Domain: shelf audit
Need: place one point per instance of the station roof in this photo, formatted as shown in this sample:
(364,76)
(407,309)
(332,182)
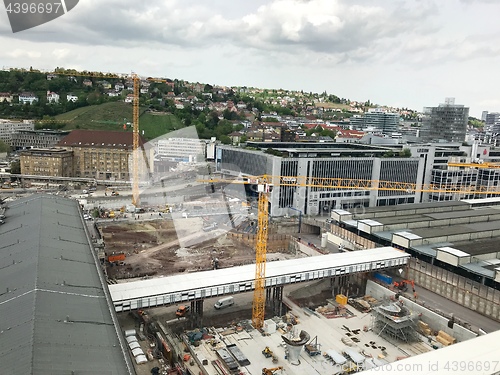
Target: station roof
(439,225)
(54,305)
(413,206)
(481,353)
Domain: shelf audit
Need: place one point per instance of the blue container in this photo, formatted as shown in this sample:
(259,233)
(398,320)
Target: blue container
(382,277)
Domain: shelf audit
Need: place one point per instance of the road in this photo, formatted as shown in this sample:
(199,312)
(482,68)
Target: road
(460,312)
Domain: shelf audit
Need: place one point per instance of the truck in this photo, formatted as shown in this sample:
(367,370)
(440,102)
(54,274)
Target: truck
(182,311)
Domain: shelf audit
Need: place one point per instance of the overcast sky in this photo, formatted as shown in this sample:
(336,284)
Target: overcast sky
(403,53)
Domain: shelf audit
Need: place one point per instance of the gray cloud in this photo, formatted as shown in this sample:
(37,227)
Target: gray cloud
(326,26)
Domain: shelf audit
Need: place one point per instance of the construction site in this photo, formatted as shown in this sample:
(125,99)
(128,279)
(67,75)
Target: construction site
(339,325)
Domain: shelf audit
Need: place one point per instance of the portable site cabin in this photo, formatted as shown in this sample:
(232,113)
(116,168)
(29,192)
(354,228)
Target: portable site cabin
(338,358)
(355,356)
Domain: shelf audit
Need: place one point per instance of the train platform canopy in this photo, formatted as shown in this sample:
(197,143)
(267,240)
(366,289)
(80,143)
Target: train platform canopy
(54,304)
(191,286)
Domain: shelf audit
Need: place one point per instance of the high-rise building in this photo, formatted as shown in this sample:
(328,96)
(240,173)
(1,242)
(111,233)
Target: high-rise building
(377,119)
(492,123)
(483,115)
(445,123)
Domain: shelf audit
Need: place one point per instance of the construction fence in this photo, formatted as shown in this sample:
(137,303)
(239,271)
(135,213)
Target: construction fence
(476,296)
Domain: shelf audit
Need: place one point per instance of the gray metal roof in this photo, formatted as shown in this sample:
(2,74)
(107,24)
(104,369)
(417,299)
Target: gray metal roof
(413,206)
(448,230)
(55,316)
(478,246)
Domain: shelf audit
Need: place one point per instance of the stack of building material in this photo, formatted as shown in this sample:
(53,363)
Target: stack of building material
(445,338)
(424,328)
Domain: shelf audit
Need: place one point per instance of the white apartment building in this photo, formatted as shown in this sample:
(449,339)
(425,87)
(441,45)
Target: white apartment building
(52,97)
(27,98)
(71,98)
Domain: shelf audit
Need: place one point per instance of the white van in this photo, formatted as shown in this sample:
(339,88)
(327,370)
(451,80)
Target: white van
(224,302)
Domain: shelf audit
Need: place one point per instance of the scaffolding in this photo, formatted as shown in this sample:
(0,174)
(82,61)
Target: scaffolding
(395,321)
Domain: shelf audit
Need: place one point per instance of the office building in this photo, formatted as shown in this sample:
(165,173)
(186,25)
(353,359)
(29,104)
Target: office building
(377,120)
(8,128)
(445,123)
(47,162)
(103,155)
(181,149)
(342,161)
(24,139)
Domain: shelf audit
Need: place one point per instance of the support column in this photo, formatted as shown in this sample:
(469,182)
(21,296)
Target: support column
(197,313)
(268,296)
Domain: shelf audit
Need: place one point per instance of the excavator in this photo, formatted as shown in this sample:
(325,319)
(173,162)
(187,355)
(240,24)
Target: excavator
(271,371)
(403,285)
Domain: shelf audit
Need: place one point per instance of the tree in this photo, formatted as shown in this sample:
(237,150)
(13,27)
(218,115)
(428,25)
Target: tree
(4,147)
(15,167)
(405,153)
(225,139)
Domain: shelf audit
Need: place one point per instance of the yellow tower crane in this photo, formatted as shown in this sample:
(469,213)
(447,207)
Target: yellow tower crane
(136,150)
(265,184)
(135,113)
(135,141)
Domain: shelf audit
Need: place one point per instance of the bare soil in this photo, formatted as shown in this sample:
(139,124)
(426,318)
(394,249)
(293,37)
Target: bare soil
(153,248)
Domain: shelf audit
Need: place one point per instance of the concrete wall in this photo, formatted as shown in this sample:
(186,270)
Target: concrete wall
(308,249)
(357,242)
(468,293)
(339,241)
(435,321)
(275,242)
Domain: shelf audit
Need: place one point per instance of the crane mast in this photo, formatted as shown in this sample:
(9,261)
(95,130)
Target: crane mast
(259,297)
(135,142)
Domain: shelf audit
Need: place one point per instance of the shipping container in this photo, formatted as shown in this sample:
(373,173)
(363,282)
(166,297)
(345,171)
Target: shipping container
(116,257)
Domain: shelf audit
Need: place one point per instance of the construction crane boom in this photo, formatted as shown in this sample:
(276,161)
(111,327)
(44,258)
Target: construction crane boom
(480,164)
(265,183)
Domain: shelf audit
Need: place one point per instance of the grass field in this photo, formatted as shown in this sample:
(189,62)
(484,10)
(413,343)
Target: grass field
(112,116)
(333,105)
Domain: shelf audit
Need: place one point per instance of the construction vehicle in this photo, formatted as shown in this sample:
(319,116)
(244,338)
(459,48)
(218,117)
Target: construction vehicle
(312,347)
(271,371)
(403,285)
(182,311)
(265,183)
(268,353)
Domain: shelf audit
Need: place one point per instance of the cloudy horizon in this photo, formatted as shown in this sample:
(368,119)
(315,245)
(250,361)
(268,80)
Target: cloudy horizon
(403,53)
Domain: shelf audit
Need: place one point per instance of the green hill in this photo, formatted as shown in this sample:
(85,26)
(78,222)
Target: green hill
(113,116)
